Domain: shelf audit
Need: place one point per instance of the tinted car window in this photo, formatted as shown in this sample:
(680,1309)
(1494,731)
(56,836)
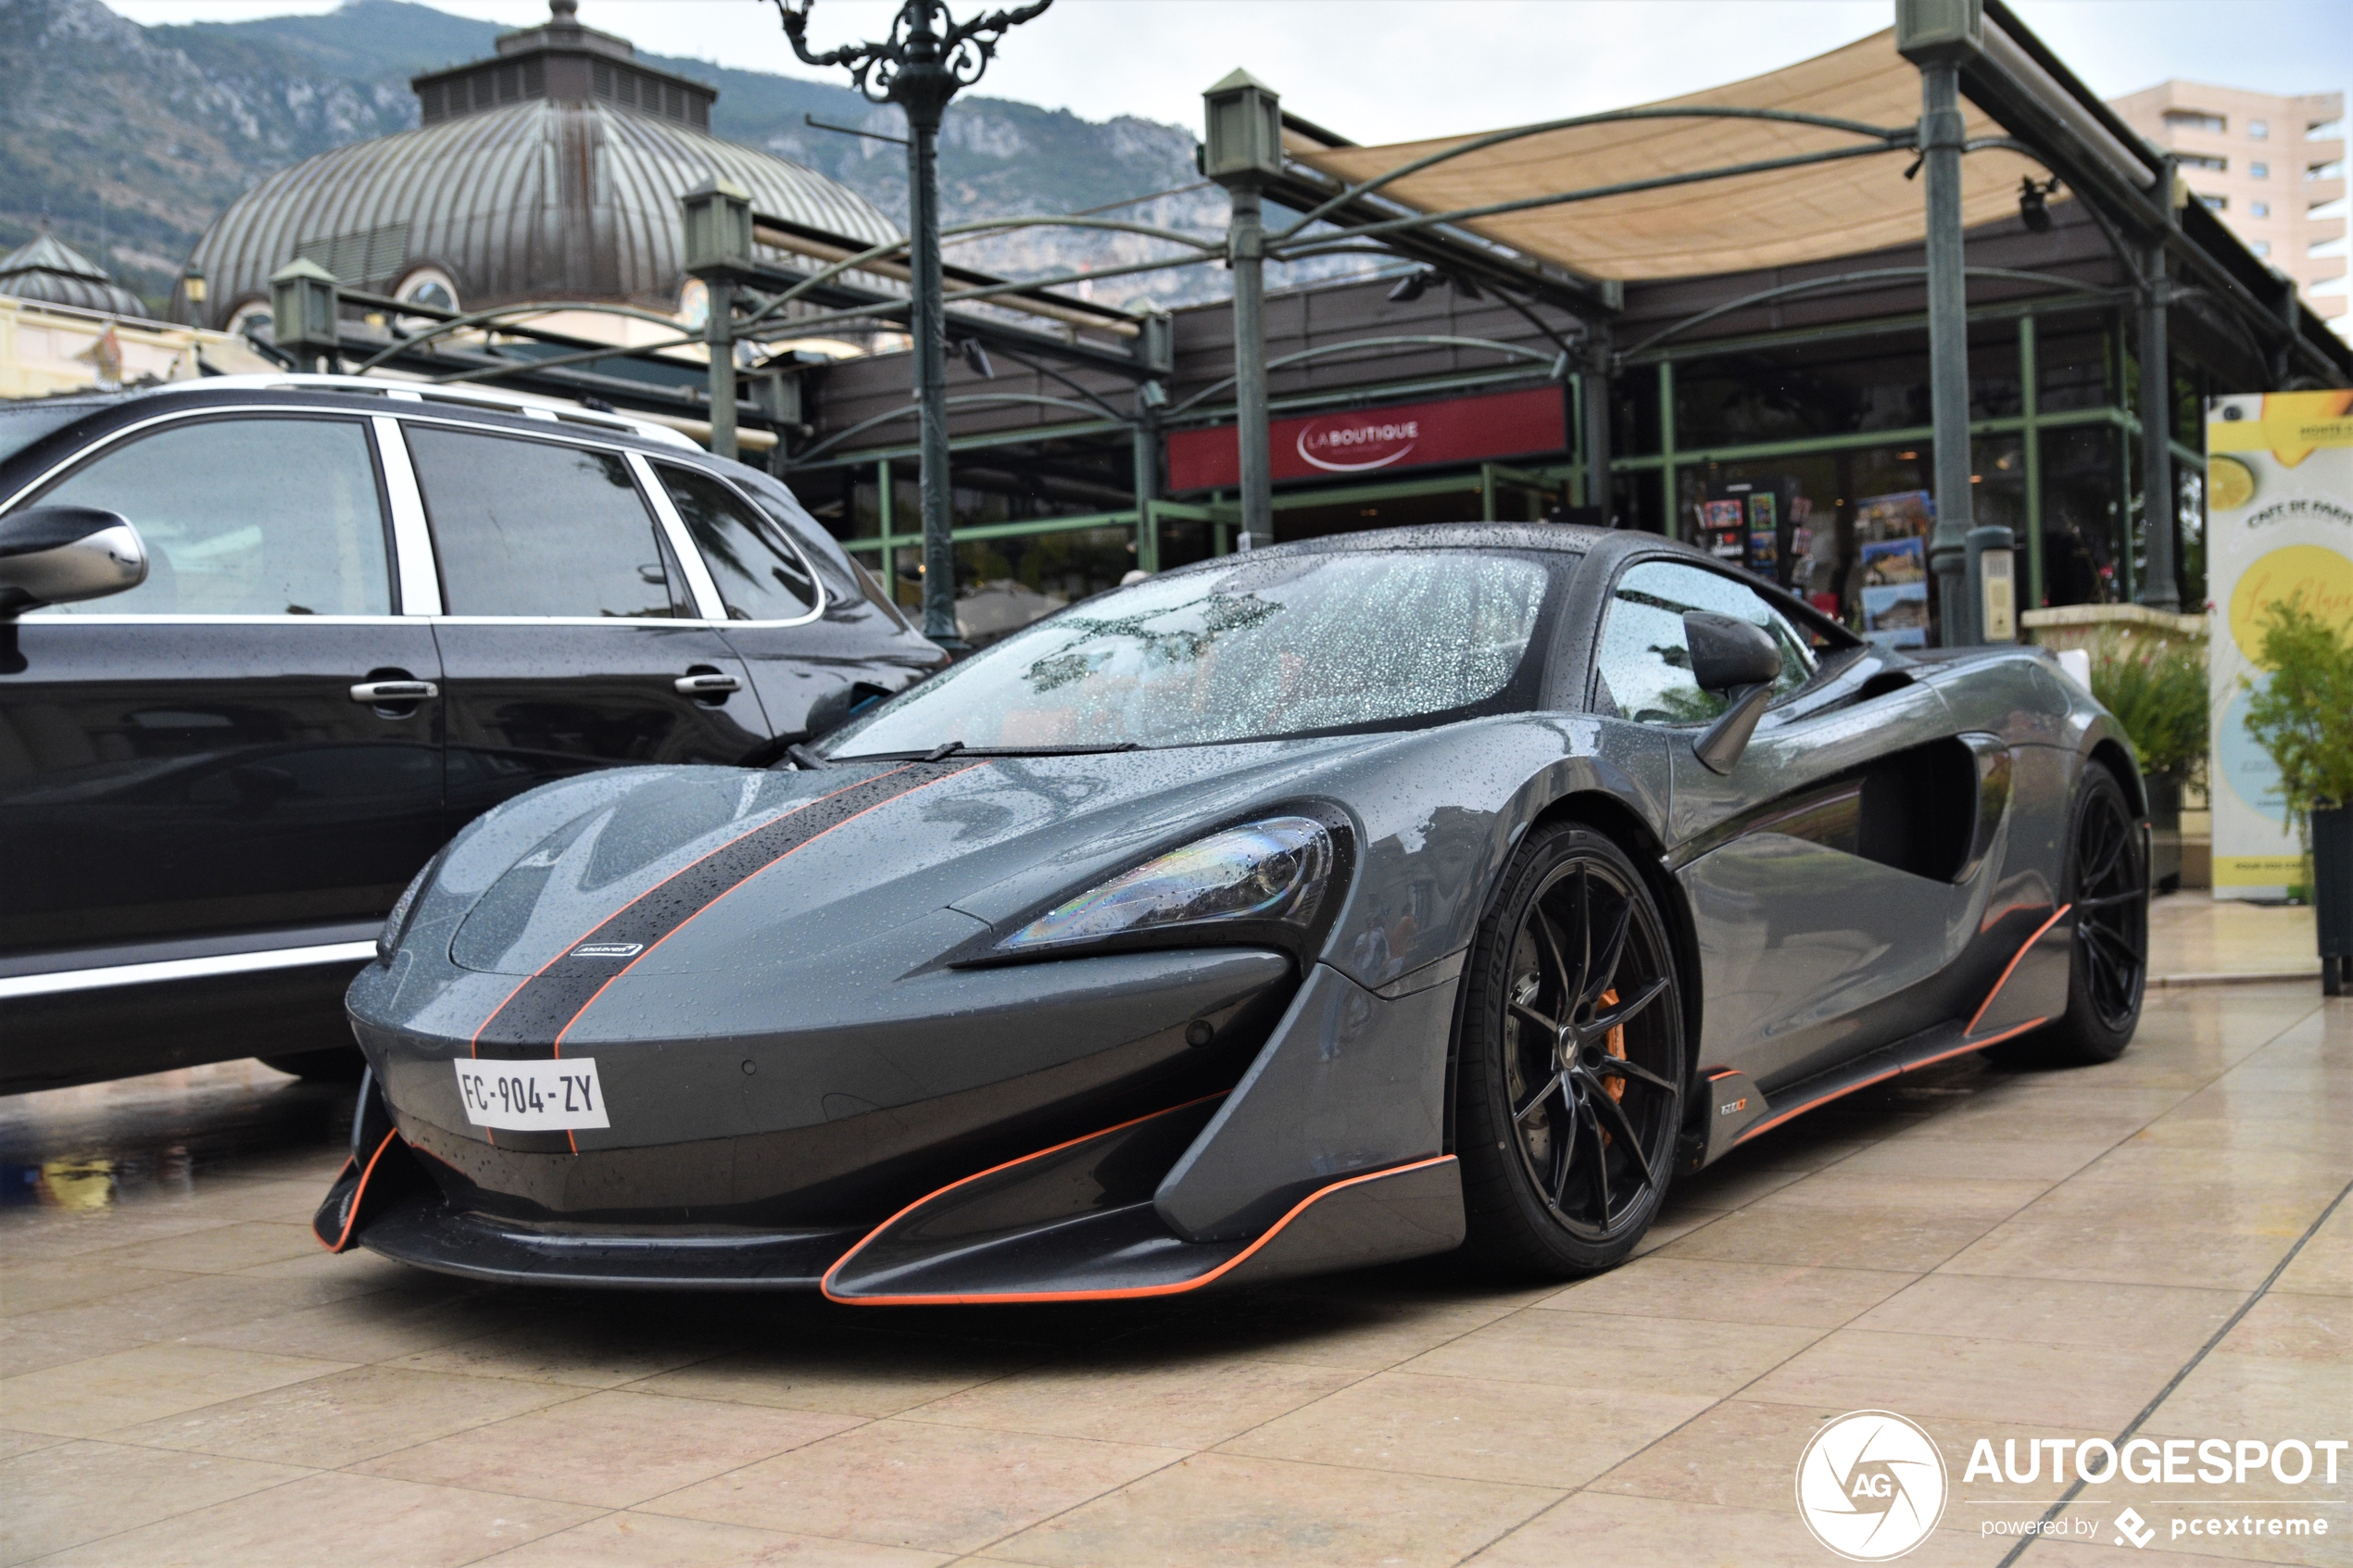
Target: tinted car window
(1645,663)
(1264,646)
(21,424)
(243,517)
(539,528)
(760,576)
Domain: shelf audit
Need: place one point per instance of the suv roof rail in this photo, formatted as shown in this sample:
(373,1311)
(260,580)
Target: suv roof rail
(529,404)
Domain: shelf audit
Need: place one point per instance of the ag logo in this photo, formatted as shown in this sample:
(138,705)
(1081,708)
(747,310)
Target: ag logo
(1870,1485)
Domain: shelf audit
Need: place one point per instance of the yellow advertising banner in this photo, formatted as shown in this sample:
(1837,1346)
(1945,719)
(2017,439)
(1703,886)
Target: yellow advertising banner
(2279,497)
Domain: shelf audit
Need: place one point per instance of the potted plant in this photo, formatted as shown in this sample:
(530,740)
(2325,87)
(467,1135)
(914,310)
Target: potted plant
(2158,695)
(2303,717)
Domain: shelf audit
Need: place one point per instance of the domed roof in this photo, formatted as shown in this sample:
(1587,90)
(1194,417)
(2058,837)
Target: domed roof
(536,176)
(50,271)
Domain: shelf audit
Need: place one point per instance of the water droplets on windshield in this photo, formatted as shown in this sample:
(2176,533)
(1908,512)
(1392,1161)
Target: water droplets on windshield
(1261,648)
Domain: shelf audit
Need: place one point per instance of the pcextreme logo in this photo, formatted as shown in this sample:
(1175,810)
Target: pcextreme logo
(1870,1485)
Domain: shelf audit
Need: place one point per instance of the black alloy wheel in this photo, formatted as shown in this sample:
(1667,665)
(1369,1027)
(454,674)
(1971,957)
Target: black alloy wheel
(1570,1061)
(2108,892)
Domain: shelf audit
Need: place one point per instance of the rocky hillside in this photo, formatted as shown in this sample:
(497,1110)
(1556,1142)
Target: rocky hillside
(132,139)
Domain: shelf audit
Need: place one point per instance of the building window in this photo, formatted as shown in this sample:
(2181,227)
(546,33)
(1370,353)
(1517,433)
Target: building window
(2258,170)
(2215,204)
(2258,209)
(2258,129)
(2194,119)
(2204,160)
(2261,247)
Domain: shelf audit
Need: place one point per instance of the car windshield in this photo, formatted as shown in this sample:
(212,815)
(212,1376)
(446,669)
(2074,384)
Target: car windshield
(21,424)
(1255,648)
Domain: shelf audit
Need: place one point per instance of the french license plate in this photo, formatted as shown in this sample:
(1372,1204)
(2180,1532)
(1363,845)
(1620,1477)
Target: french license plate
(532,1096)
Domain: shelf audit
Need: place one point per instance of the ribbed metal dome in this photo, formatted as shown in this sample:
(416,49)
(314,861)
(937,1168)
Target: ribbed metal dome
(538,199)
(49,269)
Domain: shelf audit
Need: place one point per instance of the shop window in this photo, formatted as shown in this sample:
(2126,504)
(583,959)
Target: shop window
(1634,430)
(1781,395)
(2074,365)
(1004,584)
(2081,525)
(1635,500)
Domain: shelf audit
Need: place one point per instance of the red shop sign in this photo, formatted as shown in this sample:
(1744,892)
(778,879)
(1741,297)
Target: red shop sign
(1365,441)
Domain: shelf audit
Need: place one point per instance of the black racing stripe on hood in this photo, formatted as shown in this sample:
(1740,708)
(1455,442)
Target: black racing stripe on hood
(531,1020)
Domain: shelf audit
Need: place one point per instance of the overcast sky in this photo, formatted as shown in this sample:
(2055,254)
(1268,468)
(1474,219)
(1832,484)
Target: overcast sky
(1385,71)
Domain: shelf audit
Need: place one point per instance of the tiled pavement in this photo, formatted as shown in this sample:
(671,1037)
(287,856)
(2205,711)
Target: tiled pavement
(189,1379)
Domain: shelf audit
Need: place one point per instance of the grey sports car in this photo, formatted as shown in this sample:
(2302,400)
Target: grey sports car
(1317,907)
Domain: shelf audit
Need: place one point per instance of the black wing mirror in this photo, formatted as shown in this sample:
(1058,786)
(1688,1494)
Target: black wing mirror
(1731,657)
(58,555)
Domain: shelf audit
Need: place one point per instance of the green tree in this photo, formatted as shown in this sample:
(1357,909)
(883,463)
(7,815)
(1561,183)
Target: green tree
(2160,698)
(2303,714)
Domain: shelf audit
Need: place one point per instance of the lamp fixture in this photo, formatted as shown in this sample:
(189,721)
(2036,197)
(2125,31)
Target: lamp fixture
(2034,202)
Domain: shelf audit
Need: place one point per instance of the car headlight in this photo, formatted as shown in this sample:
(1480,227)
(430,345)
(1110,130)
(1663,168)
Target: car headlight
(397,923)
(1270,872)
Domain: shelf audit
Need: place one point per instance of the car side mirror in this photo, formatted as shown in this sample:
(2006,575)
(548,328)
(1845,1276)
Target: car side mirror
(59,555)
(1731,657)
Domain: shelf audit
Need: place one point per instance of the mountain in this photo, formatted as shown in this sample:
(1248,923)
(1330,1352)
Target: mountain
(132,139)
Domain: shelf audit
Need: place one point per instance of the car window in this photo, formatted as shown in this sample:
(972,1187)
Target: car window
(21,424)
(243,517)
(540,527)
(760,576)
(1289,645)
(1645,663)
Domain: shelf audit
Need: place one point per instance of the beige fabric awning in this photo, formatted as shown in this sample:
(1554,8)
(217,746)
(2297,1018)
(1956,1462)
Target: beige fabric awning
(1768,219)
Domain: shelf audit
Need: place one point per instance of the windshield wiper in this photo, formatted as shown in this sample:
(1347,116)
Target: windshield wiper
(958,748)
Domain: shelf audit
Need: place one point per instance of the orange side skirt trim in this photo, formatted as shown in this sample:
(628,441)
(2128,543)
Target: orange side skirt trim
(2007,969)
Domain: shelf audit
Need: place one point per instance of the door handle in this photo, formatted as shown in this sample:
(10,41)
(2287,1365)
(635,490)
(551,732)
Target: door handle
(706,685)
(382,691)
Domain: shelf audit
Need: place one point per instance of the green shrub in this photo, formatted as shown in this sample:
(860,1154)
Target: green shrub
(2159,697)
(2303,715)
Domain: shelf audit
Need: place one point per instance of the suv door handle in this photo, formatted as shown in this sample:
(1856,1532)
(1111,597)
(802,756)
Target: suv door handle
(706,685)
(379,692)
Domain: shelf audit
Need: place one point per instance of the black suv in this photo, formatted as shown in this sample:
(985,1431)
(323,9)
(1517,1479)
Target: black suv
(267,642)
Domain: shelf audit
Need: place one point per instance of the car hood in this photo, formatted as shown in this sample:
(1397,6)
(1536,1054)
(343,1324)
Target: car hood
(977,842)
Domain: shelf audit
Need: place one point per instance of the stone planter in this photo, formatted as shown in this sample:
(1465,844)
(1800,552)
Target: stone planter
(2333,896)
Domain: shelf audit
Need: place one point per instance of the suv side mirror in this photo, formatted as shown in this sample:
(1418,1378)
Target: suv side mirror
(58,555)
(1734,658)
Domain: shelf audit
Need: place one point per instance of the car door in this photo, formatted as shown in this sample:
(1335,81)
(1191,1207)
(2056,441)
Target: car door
(572,636)
(240,757)
(1811,889)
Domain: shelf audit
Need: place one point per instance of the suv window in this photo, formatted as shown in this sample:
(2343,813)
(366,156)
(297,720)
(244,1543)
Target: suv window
(760,576)
(540,527)
(1647,665)
(243,517)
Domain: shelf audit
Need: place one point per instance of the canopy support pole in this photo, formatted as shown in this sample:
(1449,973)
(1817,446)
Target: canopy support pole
(1942,132)
(2158,588)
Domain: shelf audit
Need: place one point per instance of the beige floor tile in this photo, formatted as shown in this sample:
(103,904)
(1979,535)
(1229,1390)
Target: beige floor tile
(2303,1328)
(221,1249)
(1903,1240)
(348,1521)
(2179,1254)
(2161,1320)
(1351,1333)
(1570,1349)
(1982,1158)
(27,1288)
(609,1449)
(24,1350)
(1731,1182)
(2324,1266)
(1922,1375)
(901,1483)
(79,1491)
(2261,1396)
(1794,1296)
(85,1398)
(279,1202)
(185,1304)
(1594,1527)
(380,1326)
(578,1349)
(347,1417)
(1530,1434)
(13,1442)
(1840,1189)
(2106,1549)
(1176,1402)
(855,1374)
(1216,1509)
(2153,1167)
(636,1540)
(54,1235)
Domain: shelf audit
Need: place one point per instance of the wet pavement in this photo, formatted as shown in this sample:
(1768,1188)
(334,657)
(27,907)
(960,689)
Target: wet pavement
(2158,1246)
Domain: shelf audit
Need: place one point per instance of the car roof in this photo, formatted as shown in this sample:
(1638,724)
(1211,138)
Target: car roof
(470,398)
(1568,538)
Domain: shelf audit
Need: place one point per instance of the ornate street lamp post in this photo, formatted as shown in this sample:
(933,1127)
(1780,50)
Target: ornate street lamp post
(928,56)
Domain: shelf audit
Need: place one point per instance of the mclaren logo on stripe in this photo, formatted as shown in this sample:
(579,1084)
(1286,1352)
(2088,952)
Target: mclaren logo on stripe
(608,949)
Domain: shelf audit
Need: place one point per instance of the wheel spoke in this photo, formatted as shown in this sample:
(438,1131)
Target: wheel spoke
(2102,903)
(1584,937)
(1624,1068)
(1538,1098)
(1600,1161)
(1624,1012)
(1548,944)
(1612,952)
(1624,1128)
(1529,1015)
(1564,1151)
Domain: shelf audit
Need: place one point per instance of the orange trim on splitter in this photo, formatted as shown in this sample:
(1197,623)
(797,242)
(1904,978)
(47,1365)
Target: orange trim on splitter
(351,1211)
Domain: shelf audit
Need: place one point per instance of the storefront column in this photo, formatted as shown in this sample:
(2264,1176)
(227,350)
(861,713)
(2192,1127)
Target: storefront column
(2158,588)
(2030,449)
(1942,133)
(1672,514)
(1145,447)
(1593,388)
